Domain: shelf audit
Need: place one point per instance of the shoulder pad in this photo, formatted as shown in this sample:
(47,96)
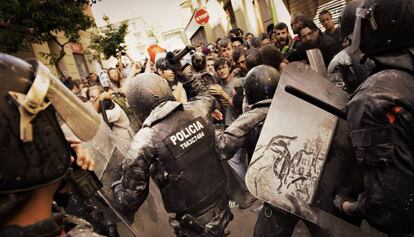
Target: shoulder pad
(142,142)
(247,121)
(162,111)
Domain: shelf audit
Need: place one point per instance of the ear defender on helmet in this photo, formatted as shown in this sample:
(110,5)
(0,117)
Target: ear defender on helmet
(382,26)
(34,150)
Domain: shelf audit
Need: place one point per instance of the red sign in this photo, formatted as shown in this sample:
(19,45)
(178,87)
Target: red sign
(201,16)
(153,50)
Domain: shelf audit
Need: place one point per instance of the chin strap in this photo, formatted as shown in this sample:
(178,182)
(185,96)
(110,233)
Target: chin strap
(31,104)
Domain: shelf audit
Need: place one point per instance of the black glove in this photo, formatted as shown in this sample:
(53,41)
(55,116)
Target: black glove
(126,213)
(341,197)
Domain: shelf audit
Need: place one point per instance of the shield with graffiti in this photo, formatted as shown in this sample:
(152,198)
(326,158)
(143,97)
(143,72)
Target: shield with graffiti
(293,152)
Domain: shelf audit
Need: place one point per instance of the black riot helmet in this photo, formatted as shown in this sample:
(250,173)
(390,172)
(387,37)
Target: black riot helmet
(382,26)
(45,157)
(348,16)
(147,91)
(261,83)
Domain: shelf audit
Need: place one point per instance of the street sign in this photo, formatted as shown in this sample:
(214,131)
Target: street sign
(201,16)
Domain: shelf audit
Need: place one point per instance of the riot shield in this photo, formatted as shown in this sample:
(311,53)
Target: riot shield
(109,151)
(293,167)
(316,61)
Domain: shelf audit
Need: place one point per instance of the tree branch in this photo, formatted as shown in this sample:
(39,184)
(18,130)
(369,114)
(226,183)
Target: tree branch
(54,38)
(55,60)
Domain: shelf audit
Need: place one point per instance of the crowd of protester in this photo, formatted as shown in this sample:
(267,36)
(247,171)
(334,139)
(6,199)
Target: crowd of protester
(227,60)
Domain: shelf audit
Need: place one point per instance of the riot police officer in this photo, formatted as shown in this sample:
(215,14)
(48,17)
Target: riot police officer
(176,146)
(380,117)
(260,86)
(259,93)
(349,69)
(35,156)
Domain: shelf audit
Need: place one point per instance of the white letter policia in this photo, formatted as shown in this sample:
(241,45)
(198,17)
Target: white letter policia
(186,132)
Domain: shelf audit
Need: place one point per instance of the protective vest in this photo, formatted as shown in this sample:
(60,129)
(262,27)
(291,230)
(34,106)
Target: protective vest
(188,171)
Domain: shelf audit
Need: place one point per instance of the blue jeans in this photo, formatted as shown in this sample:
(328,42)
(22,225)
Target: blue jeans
(237,165)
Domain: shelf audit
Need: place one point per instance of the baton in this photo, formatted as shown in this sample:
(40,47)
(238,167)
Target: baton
(87,183)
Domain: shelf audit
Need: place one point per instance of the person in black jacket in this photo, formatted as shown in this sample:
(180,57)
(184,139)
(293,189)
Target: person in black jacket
(380,116)
(312,37)
(260,86)
(177,141)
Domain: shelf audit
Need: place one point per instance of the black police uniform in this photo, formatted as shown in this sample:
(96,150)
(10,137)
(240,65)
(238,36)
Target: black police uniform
(177,141)
(380,119)
(380,113)
(92,210)
(244,131)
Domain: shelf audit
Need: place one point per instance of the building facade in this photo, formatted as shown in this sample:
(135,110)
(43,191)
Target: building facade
(252,16)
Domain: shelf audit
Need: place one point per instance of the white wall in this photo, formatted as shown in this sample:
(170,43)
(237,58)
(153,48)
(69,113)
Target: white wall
(282,13)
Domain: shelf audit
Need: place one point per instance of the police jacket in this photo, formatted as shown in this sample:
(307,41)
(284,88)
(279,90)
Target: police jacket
(375,108)
(57,225)
(176,146)
(244,131)
(380,119)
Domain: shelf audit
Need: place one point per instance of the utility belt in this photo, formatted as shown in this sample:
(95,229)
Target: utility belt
(194,224)
(184,226)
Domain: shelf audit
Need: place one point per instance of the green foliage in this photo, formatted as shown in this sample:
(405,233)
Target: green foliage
(38,21)
(53,58)
(35,21)
(111,41)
